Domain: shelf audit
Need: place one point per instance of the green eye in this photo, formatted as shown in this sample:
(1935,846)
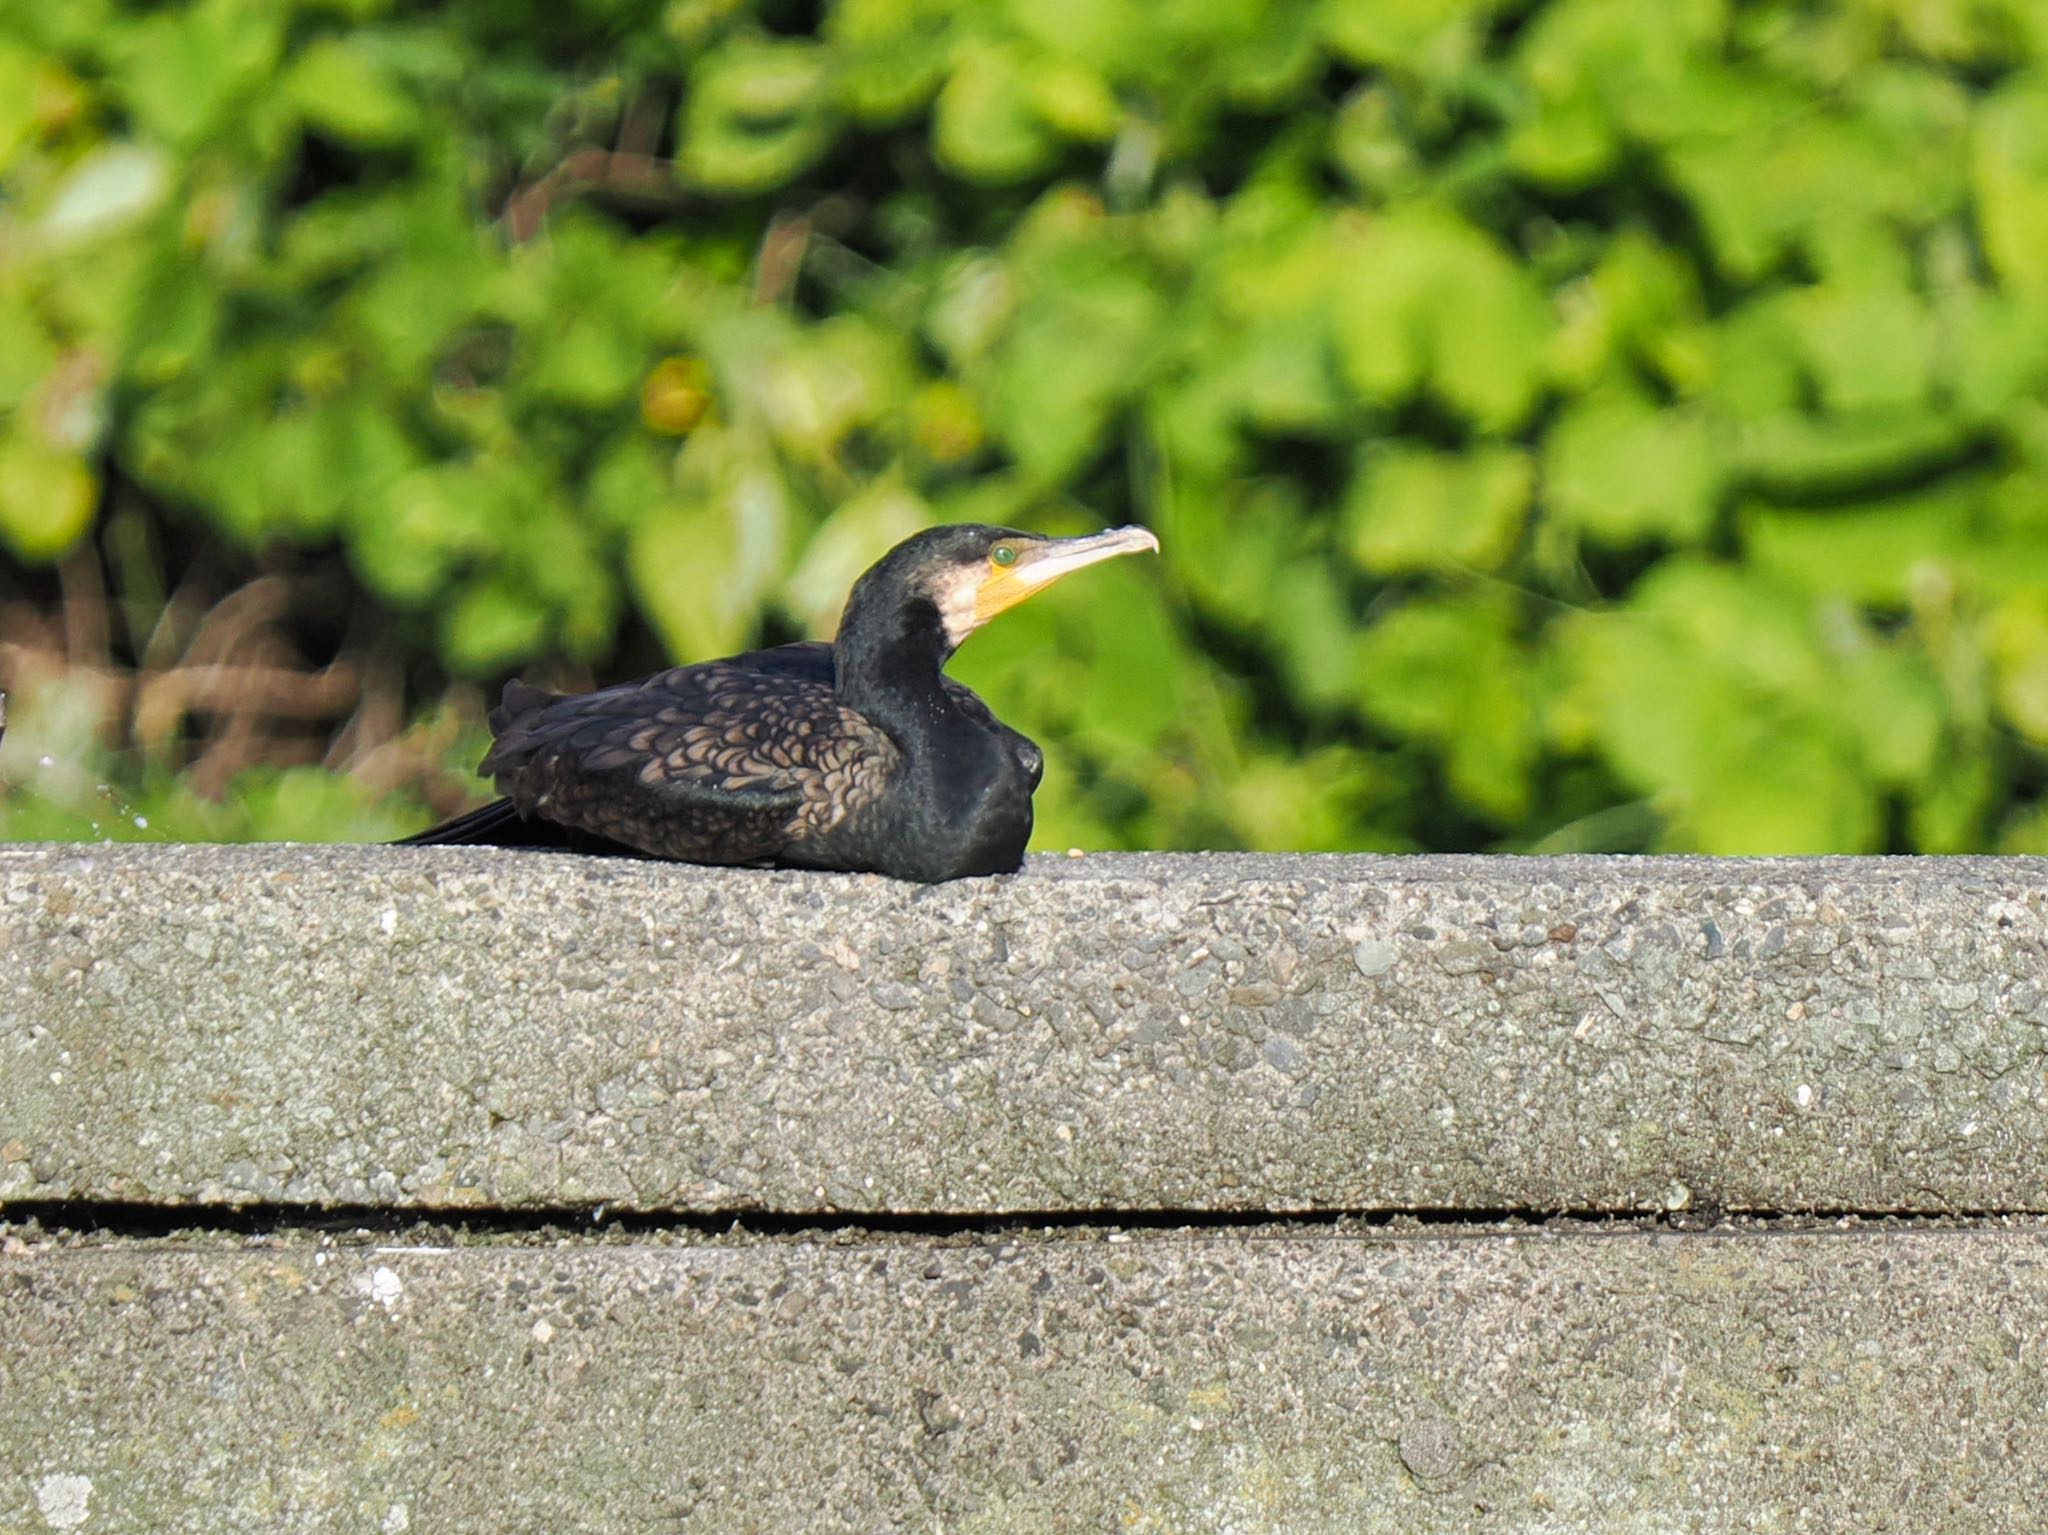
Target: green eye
(1002,554)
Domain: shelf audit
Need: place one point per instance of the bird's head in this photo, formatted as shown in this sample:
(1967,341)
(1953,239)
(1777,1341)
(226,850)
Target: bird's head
(969,572)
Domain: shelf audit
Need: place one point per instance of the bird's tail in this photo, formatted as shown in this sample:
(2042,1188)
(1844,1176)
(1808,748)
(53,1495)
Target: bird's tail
(499,824)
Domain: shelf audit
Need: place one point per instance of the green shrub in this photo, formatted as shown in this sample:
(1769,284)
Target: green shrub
(1569,424)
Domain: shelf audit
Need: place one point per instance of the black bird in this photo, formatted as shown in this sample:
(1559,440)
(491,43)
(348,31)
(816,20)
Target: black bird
(855,755)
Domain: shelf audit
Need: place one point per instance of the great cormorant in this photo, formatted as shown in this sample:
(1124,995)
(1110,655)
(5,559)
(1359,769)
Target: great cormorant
(856,755)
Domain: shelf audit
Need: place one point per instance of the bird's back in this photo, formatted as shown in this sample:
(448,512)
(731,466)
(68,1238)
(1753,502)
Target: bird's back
(750,759)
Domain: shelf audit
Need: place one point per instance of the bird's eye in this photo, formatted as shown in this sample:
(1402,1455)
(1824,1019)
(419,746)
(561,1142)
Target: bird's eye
(1002,554)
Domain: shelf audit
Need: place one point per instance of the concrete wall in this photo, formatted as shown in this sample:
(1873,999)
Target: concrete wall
(1177,1193)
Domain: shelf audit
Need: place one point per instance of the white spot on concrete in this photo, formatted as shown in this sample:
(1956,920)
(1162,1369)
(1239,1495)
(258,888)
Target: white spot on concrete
(543,1332)
(387,924)
(1677,1197)
(384,1287)
(62,1499)
(1374,957)
(1802,1095)
(397,1517)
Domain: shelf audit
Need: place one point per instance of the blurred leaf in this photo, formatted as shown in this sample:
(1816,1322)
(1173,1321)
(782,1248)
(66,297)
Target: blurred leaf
(1869,552)
(1999,350)
(2009,168)
(1074,100)
(702,561)
(1796,455)
(1869,348)
(757,111)
(187,69)
(972,304)
(2019,652)
(1430,37)
(1306,804)
(1889,704)
(675,395)
(851,539)
(1083,28)
(1714,692)
(1086,319)
(19,72)
(1313,629)
(1601,70)
(1753,361)
(1412,510)
(1369,146)
(892,54)
(1229,540)
(419,528)
(1640,303)
(47,498)
(1952,811)
(345,90)
(1623,470)
(491,625)
(109,188)
(986,126)
(26,351)
(944,423)
(1570,143)
(1426,297)
(1451,673)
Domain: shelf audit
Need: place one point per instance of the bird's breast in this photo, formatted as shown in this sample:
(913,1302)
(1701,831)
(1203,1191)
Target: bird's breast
(966,810)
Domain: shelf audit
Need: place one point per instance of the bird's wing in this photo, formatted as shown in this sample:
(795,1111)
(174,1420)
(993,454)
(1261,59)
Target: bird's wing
(813,660)
(723,762)
(1022,747)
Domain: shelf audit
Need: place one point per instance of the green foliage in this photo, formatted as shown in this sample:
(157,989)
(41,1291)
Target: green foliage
(1570,423)
(301,804)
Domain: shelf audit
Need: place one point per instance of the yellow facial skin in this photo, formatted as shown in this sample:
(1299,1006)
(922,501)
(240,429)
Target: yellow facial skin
(1034,564)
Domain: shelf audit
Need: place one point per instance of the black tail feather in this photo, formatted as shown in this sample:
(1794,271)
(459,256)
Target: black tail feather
(490,826)
(499,824)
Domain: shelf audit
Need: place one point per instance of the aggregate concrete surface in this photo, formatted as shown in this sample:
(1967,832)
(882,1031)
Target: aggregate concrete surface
(454,1027)
(1191,1382)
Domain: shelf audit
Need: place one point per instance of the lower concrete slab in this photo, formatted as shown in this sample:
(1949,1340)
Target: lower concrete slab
(1301,1380)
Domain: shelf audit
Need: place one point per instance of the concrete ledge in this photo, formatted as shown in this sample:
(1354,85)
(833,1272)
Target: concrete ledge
(1831,1382)
(450,1027)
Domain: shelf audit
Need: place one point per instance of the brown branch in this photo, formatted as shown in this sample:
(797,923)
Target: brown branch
(84,590)
(582,171)
(781,258)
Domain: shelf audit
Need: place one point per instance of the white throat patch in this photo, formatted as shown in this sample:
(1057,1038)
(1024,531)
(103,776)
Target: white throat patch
(955,596)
